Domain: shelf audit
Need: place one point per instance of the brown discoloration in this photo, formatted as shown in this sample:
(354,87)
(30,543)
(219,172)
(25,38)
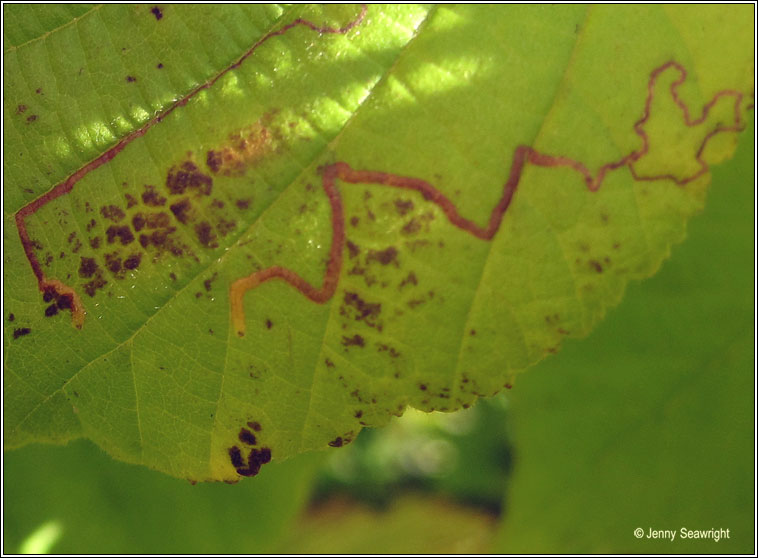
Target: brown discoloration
(362,311)
(187,177)
(355,340)
(247,437)
(131,201)
(183,211)
(156,11)
(403,206)
(51,310)
(113,263)
(131,79)
(411,227)
(87,268)
(205,235)
(123,233)
(594,264)
(138,221)
(242,204)
(98,282)
(20,109)
(112,213)
(353,249)
(242,149)
(94,243)
(269,324)
(384,348)
(235,455)
(329,363)
(31,118)
(11,317)
(384,257)
(208,283)
(152,198)
(21,331)
(159,220)
(411,279)
(337,442)
(254,425)
(91,225)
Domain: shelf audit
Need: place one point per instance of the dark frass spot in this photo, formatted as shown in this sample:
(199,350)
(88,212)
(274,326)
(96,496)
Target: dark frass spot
(236,457)
(21,331)
(11,317)
(247,437)
(156,11)
(269,324)
(131,79)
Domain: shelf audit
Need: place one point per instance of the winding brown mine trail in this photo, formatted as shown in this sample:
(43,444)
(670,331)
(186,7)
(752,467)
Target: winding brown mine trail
(522,155)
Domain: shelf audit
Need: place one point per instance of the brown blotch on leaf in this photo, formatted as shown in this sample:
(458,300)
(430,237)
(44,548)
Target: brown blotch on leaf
(242,204)
(131,201)
(247,437)
(235,455)
(159,220)
(87,268)
(269,324)
(356,340)
(411,227)
(156,11)
(208,283)
(20,109)
(354,221)
(353,249)
(329,363)
(21,331)
(367,312)
(31,118)
(51,310)
(403,206)
(11,317)
(96,283)
(254,425)
(182,210)
(411,279)
(384,257)
(358,414)
(112,212)
(65,302)
(91,225)
(123,233)
(596,266)
(337,442)
(138,221)
(131,79)
(187,176)
(94,242)
(151,197)
(113,263)
(205,235)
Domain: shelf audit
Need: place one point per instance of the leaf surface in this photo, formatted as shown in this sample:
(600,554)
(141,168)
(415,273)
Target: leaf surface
(271,227)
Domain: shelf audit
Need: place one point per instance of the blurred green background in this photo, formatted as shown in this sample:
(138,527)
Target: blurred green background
(647,423)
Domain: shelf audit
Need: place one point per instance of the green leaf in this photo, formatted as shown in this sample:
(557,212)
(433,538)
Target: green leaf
(274,226)
(101,506)
(648,423)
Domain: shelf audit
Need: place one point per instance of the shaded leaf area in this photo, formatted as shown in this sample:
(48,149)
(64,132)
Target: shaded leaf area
(417,309)
(105,507)
(649,422)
